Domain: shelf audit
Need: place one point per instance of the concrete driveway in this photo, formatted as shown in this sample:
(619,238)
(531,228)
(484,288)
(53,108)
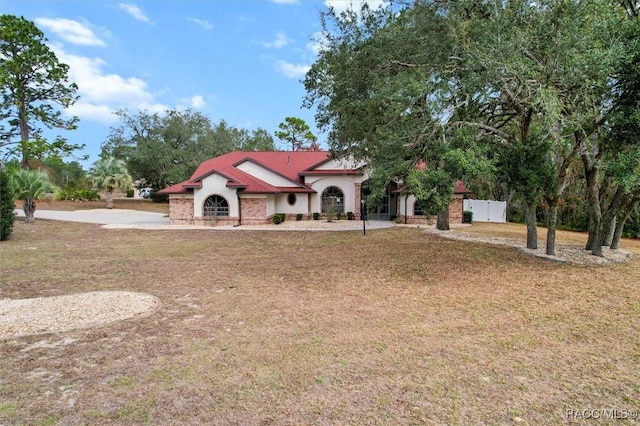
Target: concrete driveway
(126,218)
(134,219)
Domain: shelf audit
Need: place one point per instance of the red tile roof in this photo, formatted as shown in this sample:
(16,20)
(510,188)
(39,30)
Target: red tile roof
(288,165)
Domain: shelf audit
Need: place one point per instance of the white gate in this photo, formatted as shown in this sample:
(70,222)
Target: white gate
(486,210)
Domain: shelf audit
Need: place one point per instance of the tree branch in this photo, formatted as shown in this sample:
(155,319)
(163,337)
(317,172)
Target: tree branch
(492,130)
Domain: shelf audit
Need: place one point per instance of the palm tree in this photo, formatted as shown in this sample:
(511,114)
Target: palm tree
(109,174)
(30,185)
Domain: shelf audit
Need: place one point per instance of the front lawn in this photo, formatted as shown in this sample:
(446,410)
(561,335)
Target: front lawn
(395,327)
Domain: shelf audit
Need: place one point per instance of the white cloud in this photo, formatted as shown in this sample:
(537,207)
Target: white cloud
(198,102)
(71,31)
(100,93)
(203,23)
(280,41)
(292,70)
(134,11)
(342,5)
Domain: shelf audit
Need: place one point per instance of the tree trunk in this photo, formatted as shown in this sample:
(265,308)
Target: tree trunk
(595,211)
(109,199)
(532,225)
(617,234)
(611,229)
(443,221)
(29,208)
(591,232)
(552,221)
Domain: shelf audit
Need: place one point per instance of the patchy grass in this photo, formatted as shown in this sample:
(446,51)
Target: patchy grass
(395,327)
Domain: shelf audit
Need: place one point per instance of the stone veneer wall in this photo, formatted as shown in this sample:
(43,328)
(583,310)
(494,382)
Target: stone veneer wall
(181,211)
(455,209)
(254,211)
(215,221)
(455,214)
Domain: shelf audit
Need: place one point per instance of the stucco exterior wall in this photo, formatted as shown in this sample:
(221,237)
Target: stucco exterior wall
(301,205)
(346,183)
(215,185)
(263,174)
(341,164)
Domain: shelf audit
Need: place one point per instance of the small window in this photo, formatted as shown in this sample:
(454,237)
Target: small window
(417,210)
(216,206)
(291,199)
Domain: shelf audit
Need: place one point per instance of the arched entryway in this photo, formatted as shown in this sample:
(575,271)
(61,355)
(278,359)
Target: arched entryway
(388,208)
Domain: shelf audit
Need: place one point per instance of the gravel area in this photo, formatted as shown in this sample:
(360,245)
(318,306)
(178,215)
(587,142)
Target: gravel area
(564,252)
(21,317)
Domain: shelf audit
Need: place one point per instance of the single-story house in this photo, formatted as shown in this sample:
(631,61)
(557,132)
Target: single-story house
(246,188)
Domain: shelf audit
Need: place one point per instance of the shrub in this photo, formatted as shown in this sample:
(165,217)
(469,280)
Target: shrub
(278,218)
(129,193)
(349,215)
(299,217)
(467,216)
(338,215)
(316,215)
(7,216)
(158,198)
(78,194)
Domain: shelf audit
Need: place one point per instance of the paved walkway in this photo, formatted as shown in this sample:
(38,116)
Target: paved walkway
(134,219)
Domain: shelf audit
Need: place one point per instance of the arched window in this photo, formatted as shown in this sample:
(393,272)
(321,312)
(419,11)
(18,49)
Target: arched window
(216,206)
(333,199)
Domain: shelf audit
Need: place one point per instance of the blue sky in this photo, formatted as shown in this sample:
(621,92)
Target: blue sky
(237,60)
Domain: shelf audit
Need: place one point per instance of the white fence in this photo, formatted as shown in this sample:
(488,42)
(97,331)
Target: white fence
(486,210)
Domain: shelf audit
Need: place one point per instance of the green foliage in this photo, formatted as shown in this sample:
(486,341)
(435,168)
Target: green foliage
(158,198)
(72,193)
(278,218)
(501,80)
(349,215)
(338,215)
(433,189)
(297,133)
(109,174)
(260,140)
(316,215)
(632,226)
(467,216)
(164,149)
(35,90)
(63,173)
(130,193)
(30,184)
(7,203)
(299,217)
